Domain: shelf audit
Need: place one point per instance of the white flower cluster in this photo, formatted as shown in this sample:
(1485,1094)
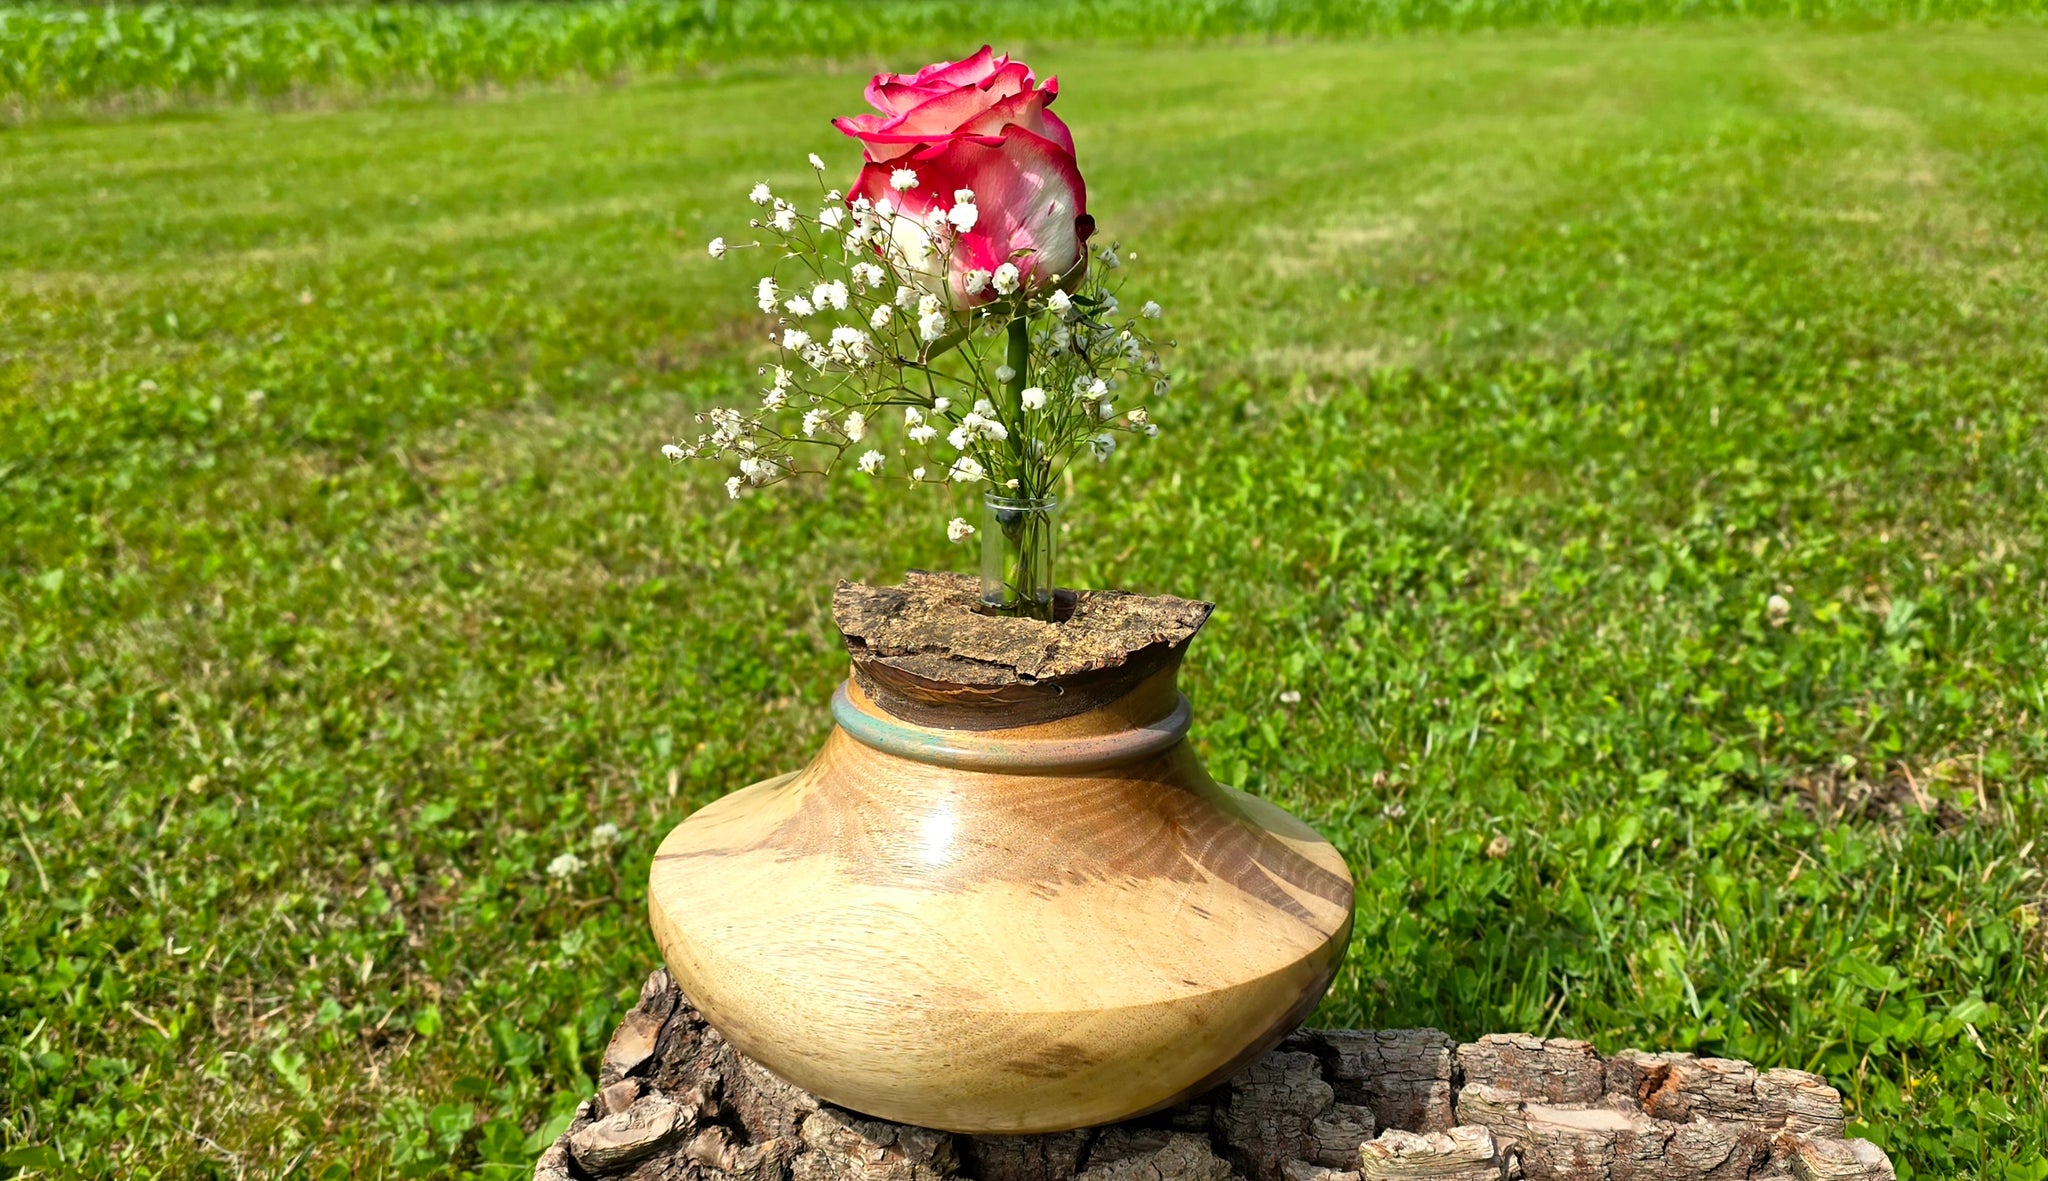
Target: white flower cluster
(998,381)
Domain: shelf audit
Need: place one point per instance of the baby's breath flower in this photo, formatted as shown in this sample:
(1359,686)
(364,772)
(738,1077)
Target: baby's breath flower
(963,196)
(761,194)
(817,162)
(963,217)
(1005,374)
(966,471)
(906,297)
(784,220)
(1151,310)
(1103,446)
(1109,258)
(1059,301)
(866,275)
(765,294)
(1006,278)
(856,426)
(870,462)
(879,318)
(975,283)
(923,432)
(672,453)
(1138,418)
(717,248)
(917,473)
(814,419)
(931,326)
(831,217)
(903,180)
(795,339)
(958,530)
(1160,387)
(1033,398)
(774,398)
(798,306)
(830,295)
(941,404)
(732,488)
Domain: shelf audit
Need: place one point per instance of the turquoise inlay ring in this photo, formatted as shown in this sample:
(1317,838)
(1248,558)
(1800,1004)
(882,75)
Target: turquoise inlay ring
(972,751)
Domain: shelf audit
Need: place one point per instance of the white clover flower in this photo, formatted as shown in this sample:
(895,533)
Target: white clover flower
(1033,398)
(870,462)
(963,217)
(568,865)
(966,471)
(831,217)
(761,194)
(975,282)
(765,294)
(1059,302)
(879,318)
(1103,446)
(856,426)
(604,836)
(1005,374)
(732,488)
(817,162)
(931,326)
(672,453)
(923,432)
(798,306)
(1006,278)
(958,530)
(717,248)
(830,295)
(1151,310)
(903,180)
(795,339)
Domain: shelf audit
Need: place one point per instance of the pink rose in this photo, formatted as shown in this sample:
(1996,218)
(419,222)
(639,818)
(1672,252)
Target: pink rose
(978,125)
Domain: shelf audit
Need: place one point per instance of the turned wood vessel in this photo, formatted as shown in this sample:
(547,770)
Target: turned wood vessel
(998,902)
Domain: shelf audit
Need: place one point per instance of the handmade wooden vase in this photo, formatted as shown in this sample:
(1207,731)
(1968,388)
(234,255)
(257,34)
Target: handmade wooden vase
(1014,907)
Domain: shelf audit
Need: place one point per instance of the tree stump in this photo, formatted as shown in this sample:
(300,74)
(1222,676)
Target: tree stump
(676,1102)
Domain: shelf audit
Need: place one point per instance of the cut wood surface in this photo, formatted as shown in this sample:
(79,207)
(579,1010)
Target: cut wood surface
(678,1103)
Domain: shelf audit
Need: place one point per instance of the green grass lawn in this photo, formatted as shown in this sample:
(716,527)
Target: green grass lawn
(341,587)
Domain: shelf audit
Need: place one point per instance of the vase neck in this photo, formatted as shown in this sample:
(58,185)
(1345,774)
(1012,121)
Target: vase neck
(1125,731)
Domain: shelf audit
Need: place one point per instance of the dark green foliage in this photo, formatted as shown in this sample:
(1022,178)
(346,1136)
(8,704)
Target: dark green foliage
(341,588)
(61,56)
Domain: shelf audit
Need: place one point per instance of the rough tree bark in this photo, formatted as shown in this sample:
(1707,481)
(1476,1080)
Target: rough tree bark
(678,1103)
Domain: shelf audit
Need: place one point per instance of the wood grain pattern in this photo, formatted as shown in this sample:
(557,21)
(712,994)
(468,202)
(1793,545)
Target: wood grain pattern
(987,950)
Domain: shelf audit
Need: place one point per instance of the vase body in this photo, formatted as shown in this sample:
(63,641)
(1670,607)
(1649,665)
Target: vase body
(996,929)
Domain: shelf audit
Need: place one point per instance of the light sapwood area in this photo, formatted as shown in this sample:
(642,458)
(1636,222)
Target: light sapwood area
(680,1103)
(954,920)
